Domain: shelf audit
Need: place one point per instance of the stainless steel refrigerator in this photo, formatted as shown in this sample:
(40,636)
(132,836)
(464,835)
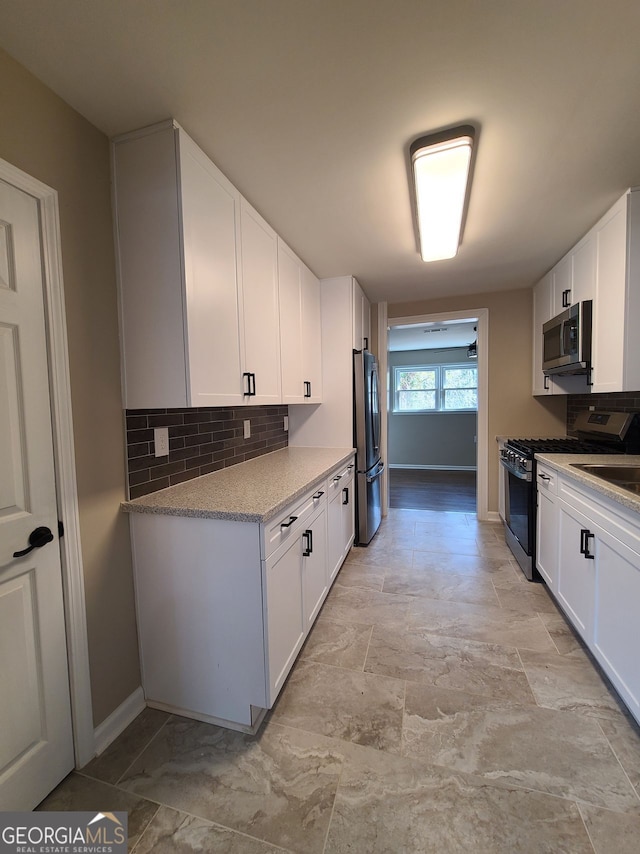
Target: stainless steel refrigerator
(369,466)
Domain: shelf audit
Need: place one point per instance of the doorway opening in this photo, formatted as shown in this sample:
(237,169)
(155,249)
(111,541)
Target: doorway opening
(436,412)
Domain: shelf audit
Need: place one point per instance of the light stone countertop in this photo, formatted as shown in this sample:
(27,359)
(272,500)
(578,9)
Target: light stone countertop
(253,491)
(563,464)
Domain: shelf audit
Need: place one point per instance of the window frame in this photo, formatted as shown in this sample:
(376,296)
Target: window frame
(439,389)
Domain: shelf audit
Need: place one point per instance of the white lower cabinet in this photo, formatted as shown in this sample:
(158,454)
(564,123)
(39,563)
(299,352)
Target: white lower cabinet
(598,578)
(341,518)
(576,571)
(224,607)
(547,524)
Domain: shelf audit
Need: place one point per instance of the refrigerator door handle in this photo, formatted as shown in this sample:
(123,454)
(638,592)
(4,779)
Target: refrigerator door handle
(376,473)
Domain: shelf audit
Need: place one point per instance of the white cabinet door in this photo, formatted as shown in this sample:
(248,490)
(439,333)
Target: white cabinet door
(584,270)
(284,626)
(542,298)
(314,567)
(361,319)
(311,337)
(290,290)
(176,225)
(340,519)
(547,528)
(609,305)
(260,311)
(576,569)
(562,285)
(210,207)
(617,604)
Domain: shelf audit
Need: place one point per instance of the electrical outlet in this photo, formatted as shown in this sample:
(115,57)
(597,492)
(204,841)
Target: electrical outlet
(247,429)
(161,441)
(286,423)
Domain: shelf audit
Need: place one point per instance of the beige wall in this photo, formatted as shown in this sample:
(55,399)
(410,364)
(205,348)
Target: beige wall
(44,137)
(512,409)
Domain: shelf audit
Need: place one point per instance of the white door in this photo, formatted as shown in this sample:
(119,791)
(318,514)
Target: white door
(36,747)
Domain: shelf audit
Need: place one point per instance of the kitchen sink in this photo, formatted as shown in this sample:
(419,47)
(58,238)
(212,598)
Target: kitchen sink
(627,477)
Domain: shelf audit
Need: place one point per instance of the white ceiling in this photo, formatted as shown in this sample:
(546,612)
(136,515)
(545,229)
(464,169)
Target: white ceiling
(309,107)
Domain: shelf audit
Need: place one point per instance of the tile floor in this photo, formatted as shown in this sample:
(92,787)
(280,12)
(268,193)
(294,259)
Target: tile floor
(441,704)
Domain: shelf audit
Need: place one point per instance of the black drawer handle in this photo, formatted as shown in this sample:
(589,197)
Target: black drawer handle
(337,478)
(307,388)
(585,533)
(345,495)
(318,495)
(308,546)
(288,524)
(544,477)
(251,384)
(37,538)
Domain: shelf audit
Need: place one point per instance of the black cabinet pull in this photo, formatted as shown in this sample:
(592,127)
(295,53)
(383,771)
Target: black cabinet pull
(565,298)
(251,384)
(585,533)
(288,524)
(345,495)
(307,388)
(318,495)
(589,377)
(308,546)
(546,383)
(337,478)
(37,538)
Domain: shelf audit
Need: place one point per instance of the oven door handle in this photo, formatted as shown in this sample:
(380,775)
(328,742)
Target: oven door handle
(521,475)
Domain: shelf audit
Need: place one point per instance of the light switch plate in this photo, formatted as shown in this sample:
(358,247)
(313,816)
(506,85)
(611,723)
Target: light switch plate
(247,429)
(161,441)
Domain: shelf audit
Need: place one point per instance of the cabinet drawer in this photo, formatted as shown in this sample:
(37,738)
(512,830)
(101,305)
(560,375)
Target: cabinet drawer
(547,480)
(286,524)
(339,479)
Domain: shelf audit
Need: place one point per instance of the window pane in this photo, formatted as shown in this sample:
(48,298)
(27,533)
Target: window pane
(409,401)
(460,378)
(415,380)
(461,398)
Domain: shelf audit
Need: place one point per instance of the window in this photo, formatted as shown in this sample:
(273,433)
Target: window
(436,388)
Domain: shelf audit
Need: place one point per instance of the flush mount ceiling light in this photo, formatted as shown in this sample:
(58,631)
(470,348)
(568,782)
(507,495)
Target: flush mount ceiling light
(440,165)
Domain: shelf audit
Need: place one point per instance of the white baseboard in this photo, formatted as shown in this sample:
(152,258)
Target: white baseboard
(493,516)
(432,468)
(118,720)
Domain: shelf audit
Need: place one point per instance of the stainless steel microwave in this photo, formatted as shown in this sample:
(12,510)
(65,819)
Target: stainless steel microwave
(566,347)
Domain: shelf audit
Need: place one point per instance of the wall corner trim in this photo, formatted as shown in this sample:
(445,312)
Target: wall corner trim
(118,720)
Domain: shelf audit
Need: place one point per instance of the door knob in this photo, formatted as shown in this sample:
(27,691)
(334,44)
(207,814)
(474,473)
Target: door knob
(38,538)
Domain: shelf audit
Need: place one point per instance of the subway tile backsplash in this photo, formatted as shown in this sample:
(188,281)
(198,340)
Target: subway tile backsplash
(623,401)
(201,441)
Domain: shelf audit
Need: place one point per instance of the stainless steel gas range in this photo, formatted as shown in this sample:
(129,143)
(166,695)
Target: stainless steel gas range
(596,433)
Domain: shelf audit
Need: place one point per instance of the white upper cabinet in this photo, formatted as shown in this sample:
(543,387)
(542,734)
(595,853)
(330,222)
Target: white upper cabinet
(562,276)
(176,224)
(604,267)
(361,319)
(300,329)
(542,311)
(544,308)
(215,310)
(260,312)
(311,336)
(616,357)
(583,284)
(290,288)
